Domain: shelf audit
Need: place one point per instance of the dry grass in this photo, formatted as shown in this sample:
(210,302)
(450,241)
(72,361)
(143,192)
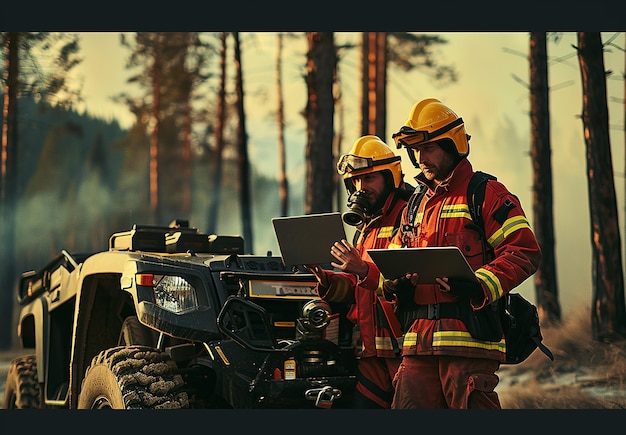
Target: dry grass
(585,374)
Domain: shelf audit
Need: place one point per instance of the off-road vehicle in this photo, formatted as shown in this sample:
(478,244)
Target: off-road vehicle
(168,317)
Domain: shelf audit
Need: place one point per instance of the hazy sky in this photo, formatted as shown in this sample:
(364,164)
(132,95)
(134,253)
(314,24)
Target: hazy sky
(491,95)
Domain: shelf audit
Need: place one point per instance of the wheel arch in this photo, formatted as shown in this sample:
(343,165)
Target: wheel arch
(31,330)
(100,311)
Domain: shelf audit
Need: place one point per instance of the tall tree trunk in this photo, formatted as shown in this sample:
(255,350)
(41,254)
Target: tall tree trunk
(283,186)
(546,286)
(186,157)
(214,201)
(340,189)
(374,88)
(381,85)
(365,52)
(242,154)
(154,137)
(175,160)
(321,63)
(624,127)
(8,184)
(372,54)
(608,313)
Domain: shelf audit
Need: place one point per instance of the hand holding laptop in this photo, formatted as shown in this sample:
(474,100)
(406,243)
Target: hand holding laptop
(427,264)
(461,287)
(404,287)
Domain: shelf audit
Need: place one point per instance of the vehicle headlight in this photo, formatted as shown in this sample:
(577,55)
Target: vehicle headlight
(174,293)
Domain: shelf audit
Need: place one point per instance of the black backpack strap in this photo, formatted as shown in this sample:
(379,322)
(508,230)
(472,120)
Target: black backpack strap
(405,193)
(476,195)
(414,202)
(412,206)
(542,347)
(475,199)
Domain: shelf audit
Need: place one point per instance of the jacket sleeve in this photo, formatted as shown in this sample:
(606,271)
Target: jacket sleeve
(517,254)
(374,279)
(337,287)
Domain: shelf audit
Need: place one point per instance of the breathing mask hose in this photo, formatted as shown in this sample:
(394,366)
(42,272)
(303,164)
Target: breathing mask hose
(357,203)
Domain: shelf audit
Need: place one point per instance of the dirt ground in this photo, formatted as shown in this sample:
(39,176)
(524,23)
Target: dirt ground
(585,374)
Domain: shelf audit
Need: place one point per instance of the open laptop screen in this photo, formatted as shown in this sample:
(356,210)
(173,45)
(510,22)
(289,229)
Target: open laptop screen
(307,239)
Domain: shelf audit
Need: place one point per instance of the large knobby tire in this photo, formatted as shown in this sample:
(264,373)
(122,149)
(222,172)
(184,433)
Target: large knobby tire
(132,377)
(135,333)
(22,390)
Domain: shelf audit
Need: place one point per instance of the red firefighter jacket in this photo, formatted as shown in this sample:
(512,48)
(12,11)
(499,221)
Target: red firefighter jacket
(378,325)
(441,220)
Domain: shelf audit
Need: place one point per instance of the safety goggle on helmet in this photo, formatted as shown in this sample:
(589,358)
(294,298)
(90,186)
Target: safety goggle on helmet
(348,163)
(369,154)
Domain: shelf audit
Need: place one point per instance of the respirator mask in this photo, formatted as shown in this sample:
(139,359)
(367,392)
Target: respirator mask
(358,205)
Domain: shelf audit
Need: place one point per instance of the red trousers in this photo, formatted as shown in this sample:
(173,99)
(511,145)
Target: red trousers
(433,382)
(374,382)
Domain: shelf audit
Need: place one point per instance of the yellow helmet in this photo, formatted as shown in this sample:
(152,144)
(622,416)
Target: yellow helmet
(369,154)
(431,120)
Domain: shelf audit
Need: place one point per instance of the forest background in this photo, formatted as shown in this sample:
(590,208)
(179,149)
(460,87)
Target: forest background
(80,185)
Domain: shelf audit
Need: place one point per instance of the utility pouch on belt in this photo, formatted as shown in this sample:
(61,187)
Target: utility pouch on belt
(483,324)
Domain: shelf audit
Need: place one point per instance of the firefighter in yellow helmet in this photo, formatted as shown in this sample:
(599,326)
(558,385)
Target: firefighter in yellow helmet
(373,177)
(430,119)
(452,346)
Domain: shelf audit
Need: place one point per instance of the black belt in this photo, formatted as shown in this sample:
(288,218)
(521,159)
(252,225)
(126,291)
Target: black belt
(433,311)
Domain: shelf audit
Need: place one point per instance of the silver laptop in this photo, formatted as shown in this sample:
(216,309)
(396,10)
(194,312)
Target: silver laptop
(430,262)
(307,239)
